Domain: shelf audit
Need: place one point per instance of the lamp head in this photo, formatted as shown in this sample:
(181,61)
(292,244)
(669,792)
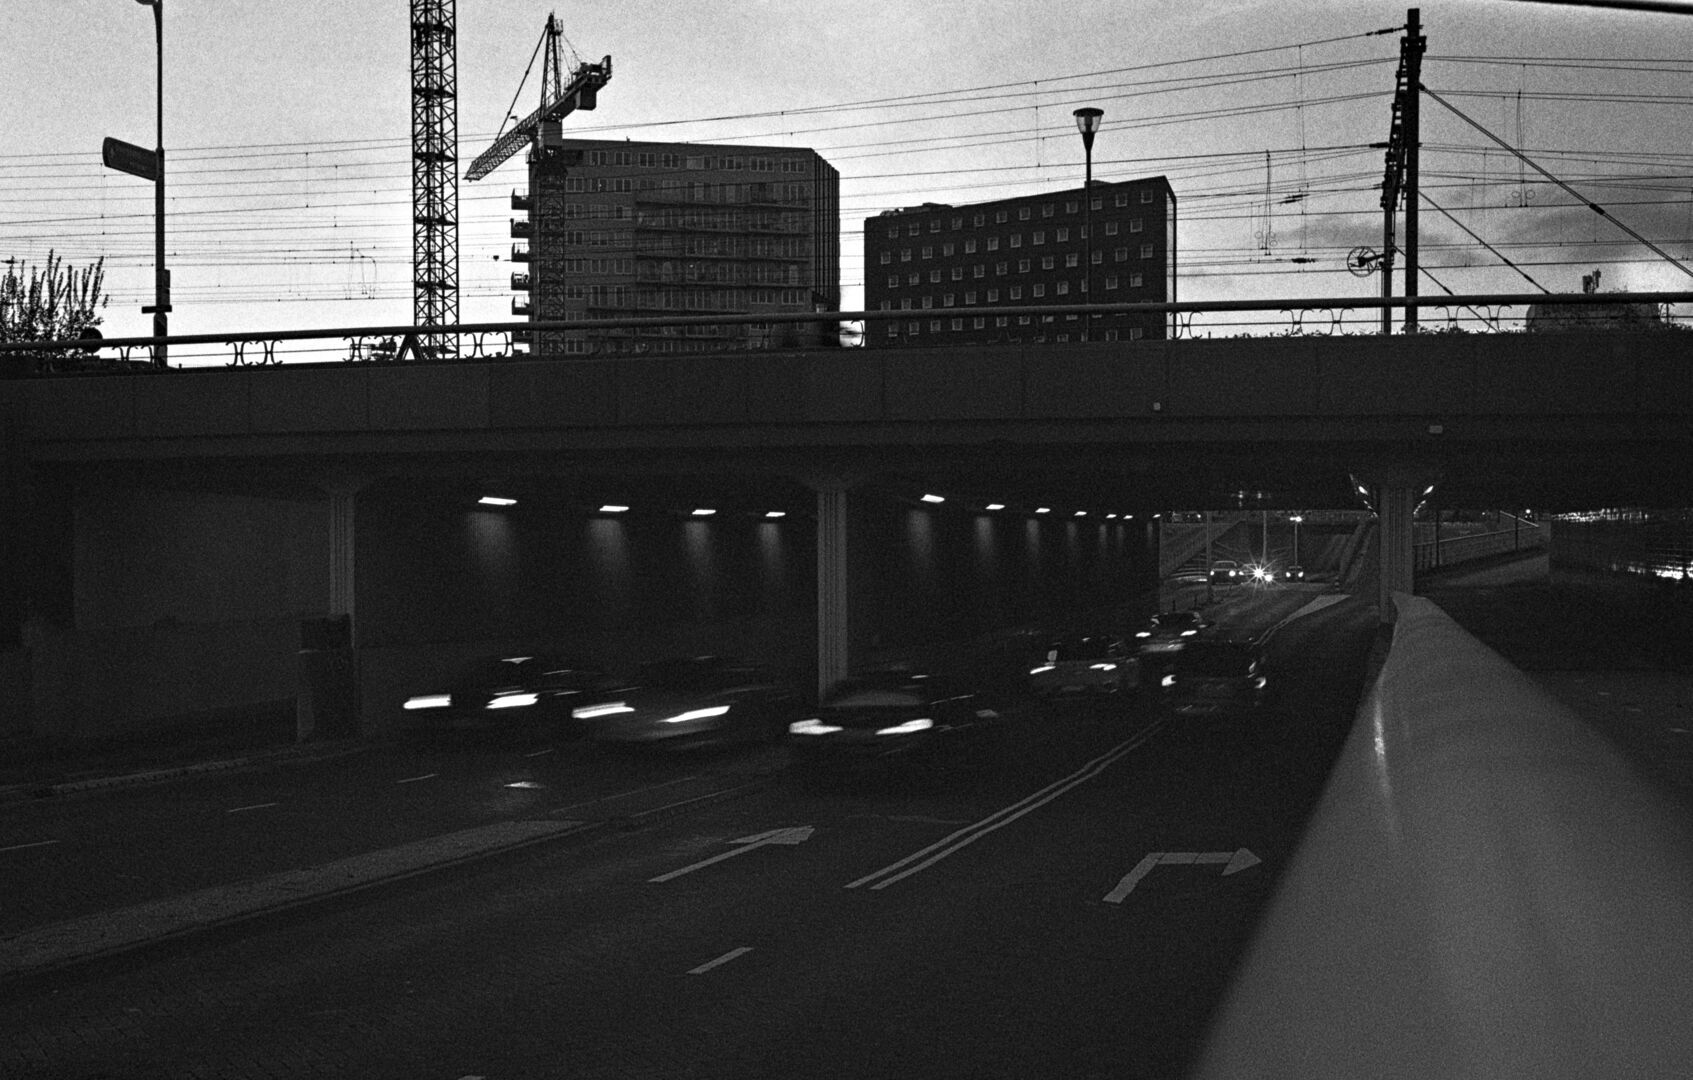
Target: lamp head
(1087,121)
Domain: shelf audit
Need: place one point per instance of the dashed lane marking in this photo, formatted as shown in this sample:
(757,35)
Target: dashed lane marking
(255,806)
(724,959)
(415,779)
(20,847)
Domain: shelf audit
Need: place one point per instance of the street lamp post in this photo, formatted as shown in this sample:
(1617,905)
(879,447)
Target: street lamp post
(1087,122)
(161,276)
(1296,519)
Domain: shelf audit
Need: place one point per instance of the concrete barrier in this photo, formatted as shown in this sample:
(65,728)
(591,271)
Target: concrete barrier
(1486,890)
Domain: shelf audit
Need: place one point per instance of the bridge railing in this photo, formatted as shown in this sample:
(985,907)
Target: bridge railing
(1448,551)
(1486,889)
(1048,324)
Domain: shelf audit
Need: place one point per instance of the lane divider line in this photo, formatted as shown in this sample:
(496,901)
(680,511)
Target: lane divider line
(415,779)
(255,806)
(962,838)
(724,959)
(20,847)
(625,794)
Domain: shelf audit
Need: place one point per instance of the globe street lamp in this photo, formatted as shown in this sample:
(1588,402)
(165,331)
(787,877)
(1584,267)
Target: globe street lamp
(1087,122)
(161,276)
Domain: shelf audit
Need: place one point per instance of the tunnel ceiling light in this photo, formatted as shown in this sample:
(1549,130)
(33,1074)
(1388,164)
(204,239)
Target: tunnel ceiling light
(934,498)
(775,513)
(1081,513)
(1111,517)
(702,511)
(613,508)
(996,506)
(1043,509)
(496,500)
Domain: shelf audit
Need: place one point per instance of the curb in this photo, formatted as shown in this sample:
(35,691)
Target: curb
(32,790)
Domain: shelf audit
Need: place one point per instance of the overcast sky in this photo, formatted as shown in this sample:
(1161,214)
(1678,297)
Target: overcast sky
(287,127)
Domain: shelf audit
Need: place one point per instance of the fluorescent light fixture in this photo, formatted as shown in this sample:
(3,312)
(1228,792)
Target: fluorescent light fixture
(613,508)
(696,714)
(934,498)
(775,513)
(702,511)
(496,500)
(910,727)
(1110,517)
(1043,509)
(429,701)
(812,727)
(588,712)
(1081,513)
(996,506)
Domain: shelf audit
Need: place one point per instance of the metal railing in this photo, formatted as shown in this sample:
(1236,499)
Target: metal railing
(1292,317)
(1448,551)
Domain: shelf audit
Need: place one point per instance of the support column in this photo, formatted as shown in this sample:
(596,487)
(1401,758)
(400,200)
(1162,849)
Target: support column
(1396,507)
(833,652)
(326,703)
(342,533)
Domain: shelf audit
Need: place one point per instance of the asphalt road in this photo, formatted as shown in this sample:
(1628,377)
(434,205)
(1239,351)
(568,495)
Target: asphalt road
(723,921)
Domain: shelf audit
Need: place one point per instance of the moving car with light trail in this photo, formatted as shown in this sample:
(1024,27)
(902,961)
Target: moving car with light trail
(506,692)
(1084,665)
(894,717)
(1168,631)
(1216,675)
(693,701)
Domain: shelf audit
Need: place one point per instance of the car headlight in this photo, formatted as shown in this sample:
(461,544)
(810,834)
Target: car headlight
(1168,680)
(513,701)
(429,701)
(1143,633)
(1260,682)
(696,714)
(588,712)
(910,727)
(1189,633)
(1042,670)
(1102,667)
(813,726)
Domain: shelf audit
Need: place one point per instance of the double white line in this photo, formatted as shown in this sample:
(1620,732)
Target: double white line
(969,834)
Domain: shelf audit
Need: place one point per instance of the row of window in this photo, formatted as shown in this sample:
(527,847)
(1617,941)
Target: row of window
(979,322)
(653,159)
(1015,292)
(1015,240)
(1024,266)
(1024,213)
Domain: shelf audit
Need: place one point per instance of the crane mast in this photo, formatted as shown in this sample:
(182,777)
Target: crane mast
(435,192)
(558,99)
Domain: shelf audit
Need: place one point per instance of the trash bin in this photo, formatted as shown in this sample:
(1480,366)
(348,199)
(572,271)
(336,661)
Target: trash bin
(326,692)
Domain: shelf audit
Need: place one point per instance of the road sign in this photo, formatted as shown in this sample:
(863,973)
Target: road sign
(129,158)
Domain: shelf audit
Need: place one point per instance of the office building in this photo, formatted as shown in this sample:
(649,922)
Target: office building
(641,230)
(1031,251)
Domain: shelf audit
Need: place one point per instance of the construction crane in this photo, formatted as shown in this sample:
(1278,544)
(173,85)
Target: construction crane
(435,190)
(558,99)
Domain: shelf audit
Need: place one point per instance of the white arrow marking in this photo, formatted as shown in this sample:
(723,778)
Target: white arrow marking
(1234,862)
(796,835)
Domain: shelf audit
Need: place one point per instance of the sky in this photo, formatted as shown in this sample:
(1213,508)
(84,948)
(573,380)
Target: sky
(287,132)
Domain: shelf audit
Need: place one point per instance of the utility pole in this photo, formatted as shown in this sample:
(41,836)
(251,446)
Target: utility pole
(1413,50)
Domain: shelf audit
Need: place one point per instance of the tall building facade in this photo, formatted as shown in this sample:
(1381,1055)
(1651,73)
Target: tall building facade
(634,230)
(1032,251)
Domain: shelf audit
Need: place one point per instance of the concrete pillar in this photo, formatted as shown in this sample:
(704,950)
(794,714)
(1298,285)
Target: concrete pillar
(326,702)
(342,533)
(833,643)
(1398,504)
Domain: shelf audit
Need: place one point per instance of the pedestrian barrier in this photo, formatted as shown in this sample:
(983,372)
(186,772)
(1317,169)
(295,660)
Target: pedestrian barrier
(1486,890)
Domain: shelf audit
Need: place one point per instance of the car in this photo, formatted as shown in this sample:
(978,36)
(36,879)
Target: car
(1226,572)
(1168,631)
(1216,675)
(508,691)
(685,702)
(894,717)
(1085,665)
(1291,573)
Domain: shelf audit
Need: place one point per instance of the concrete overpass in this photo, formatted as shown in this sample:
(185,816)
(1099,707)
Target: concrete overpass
(1550,421)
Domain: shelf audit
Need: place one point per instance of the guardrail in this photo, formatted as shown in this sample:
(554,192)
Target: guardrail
(489,341)
(1430,554)
(1486,890)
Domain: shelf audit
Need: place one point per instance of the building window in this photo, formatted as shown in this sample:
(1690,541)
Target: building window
(1121,254)
(887,257)
(1110,335)
(1135,333)
(1061,338)
(1001,268)
(885,305)
(949,300)
(1070,206)
(1136,225)
(1016,240)
(1022,213)
(1040,289)
(978,322)
(935,225)
(913,229)
(978,271)
(905,304)
(928,302)
(928,252)
(1110,228)
(1002,320)
(970,298)
(1022,320)
(1136,281)
(958,324)
(969,247)
(1098,257)
(915,279)
(1072,259)
(1146,196)
(979,218)
(904,254)
(1146,251)
(1022,266)
(893,281)
(1046,262)
(1098,202)
(1122,198)
(1016,292)
(948,249)
(1063,288)
(934,276)
(1063,235)
(1047,210)
(993,296)
(893,329)
(958,222)
(934,326)
(958,273)
(913,326)
(993,243)
(999,217)
(1111,281)
(1040,236)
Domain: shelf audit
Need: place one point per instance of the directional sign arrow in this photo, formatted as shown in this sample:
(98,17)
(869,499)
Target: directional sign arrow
(795,835)
(1233,863)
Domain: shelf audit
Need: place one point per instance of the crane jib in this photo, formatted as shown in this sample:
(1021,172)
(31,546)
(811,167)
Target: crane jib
(582,93)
